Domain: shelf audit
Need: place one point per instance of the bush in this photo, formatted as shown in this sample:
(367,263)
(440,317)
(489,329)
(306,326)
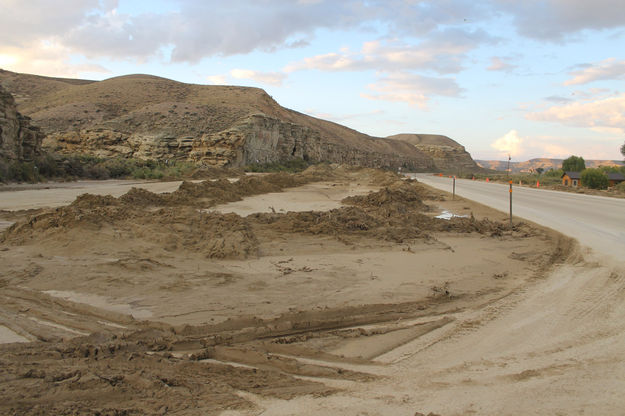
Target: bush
(595,179)
(554,173)
(51,166)
(574,164)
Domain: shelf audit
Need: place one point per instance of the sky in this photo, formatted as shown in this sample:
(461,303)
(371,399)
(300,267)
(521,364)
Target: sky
(501,77)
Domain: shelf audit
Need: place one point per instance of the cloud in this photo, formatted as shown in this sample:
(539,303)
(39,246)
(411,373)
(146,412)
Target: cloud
(436,35)
(608,69)
(194,30)
(47,58)
(499,64)
(558,99)
(27,22)
(508,144)
(217,79)
(556,147)
(215,27)
(411,88)
(271,78)
(607,113)
(556,19)
(443,53)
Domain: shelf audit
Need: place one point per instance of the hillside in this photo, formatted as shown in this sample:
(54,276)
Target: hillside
(145,116)
(545,163)
(448,155)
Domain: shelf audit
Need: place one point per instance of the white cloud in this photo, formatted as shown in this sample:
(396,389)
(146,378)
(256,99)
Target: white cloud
(47,58)
(411,88)
(195,30)
(217,79)
(556,147)
(271,78)
(508,144)
(435,34)
(443,52)
(597,114)
(608,69)
(500,64)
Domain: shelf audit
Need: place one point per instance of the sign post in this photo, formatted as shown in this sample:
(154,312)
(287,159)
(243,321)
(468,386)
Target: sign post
(510,204)
(453,196)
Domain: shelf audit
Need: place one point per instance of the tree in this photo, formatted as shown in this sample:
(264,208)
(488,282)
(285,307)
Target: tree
(595,179)
(540,170)
(623,150)
(574,164)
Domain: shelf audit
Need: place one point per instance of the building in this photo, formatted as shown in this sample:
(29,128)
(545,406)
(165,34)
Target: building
(614,178)
(571,179)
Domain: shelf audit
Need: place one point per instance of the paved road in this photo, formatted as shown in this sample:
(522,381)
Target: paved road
(596,222)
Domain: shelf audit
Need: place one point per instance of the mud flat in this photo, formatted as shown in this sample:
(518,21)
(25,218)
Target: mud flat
(281,293)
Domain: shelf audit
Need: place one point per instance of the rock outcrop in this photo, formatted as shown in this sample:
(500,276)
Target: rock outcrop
(149,117)
(447,154)
(18,139)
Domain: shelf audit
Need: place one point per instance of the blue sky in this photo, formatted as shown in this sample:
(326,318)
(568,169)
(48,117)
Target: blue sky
(527,78)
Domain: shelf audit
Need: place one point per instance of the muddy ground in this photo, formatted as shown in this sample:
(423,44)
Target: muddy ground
(223,296)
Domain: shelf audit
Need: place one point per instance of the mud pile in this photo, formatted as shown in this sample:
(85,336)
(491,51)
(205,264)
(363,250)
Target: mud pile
(173,221)
(396,213)
(179,221)
(406,194)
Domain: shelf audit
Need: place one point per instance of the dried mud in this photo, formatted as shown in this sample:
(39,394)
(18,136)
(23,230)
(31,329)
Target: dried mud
(153,366)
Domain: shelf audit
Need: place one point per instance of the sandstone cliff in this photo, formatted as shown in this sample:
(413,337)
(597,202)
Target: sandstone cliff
(447,154)
(18,139)
(151,117)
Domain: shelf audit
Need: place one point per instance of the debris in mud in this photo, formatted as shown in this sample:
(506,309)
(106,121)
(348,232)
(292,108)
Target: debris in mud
(103,374)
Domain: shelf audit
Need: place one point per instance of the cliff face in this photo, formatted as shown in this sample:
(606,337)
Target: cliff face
(447,154)
(18,139)
(254,139)
(155,118)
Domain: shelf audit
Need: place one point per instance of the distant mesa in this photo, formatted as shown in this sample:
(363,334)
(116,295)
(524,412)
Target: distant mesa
(150,117)
(544,163)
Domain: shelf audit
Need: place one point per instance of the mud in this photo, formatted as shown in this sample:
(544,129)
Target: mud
(278,305)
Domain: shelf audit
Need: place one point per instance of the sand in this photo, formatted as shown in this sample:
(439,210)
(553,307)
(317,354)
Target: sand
(323,292)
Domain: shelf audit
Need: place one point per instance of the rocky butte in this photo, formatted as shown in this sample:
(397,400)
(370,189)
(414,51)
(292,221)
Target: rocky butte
(149,117)
(19,141)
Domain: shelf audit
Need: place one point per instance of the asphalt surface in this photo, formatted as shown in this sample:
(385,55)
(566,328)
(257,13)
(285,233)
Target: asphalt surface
(596,222)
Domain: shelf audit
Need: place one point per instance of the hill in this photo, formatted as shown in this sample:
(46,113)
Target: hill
(545,163)
(448,155)
(150,117)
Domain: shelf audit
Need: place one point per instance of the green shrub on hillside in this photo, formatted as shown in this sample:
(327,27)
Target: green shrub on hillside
(66,167)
